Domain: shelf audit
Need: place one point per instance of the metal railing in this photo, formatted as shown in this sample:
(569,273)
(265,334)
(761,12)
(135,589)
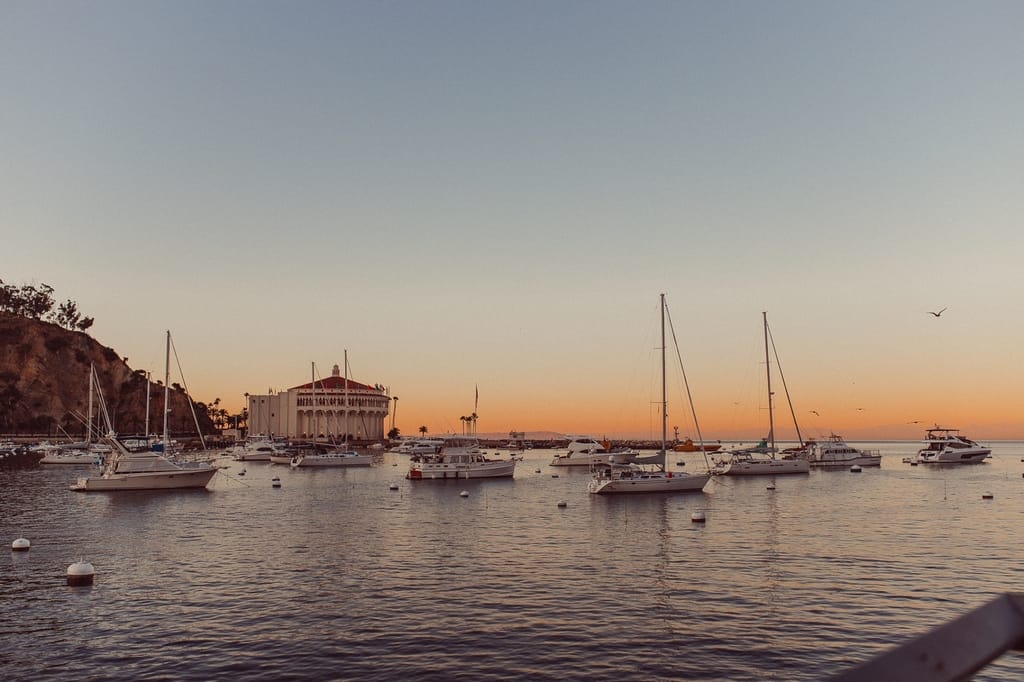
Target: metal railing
(953,651)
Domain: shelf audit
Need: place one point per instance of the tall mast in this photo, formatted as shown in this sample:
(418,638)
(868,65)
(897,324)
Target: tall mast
(147,409)
(88,424)
(768,369)
(345,426)
(664,400)
(316,414)
(167,389)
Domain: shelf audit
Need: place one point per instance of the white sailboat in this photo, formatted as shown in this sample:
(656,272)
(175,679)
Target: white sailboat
(761,460)
(634,477)
(335,457)
(148,470)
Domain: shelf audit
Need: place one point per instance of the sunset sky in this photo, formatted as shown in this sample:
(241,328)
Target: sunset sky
(491,195)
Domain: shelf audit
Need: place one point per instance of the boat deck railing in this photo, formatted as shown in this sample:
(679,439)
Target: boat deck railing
(953,651)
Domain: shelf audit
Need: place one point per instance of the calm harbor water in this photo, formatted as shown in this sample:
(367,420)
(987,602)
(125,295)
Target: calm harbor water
(334,576)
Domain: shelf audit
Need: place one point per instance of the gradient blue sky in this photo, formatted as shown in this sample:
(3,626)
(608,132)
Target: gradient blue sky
(493,194)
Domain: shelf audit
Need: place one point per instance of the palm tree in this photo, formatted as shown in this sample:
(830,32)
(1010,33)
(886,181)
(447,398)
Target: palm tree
(423,430)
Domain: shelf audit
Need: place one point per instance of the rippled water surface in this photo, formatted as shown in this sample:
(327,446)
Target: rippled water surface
(334,576)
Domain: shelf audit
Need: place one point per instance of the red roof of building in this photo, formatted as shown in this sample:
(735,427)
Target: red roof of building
(337,383)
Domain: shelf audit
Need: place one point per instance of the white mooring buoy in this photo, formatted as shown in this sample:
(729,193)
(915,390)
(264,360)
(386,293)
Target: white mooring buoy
(464,493)
(276,481)
(986,496)
(563,503)
(554,475)
(242,472)
(536,471)
(393,486)
(21,545)
(855,468)
(771,486)
(698,517)
(80,573)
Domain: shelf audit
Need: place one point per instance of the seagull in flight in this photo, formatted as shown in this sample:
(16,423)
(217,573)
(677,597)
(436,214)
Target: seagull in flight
(938,314)
(815,412)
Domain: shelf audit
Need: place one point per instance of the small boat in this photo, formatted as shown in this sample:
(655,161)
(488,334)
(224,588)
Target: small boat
(835,453)
(75,457)
(689,446)
(585,451)
(633,477)
(460,457)
(947,446)
(348,458)
(258,450)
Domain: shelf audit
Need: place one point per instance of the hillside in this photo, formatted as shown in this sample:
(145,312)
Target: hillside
(44,383)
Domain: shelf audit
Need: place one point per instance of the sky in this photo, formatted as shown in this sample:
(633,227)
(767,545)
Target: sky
(487,198)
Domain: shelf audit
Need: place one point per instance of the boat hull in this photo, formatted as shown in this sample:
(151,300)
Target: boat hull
(163,480)
(863,461)
(653,484)
(442,471)
(976,457)
(332,461)
(765,467)
(582,459)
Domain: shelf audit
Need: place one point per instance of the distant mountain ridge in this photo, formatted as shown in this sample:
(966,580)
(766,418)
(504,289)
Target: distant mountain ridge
(44,384)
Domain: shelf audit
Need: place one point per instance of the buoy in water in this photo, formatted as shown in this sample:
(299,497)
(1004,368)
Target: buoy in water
(21,545)
(913,464)
(242,472)
(464,493)
(554,475)
(563,503)
(855,468)
(698,517)
(80,573)
(393,486)
(986,496)
(771,486)
(276,482)
(536,471)
(680,463)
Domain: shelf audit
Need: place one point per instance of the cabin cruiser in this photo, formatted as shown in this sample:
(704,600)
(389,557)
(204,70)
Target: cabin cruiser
(460,457)
(258,450)
(947,446)
(585,451)
(835,453)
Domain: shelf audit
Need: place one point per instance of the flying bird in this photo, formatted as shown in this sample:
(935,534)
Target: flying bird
(815,412)
(938,314)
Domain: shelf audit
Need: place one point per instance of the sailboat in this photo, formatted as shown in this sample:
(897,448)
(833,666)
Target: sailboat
(86,453)
(760,459)
(335,457)
(147,470)
(633,477)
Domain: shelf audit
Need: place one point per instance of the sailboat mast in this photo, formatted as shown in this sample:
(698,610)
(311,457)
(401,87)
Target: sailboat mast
(88,424)
(147,409)
(167,390)
(664,399)
(768,370)
(346,398)
(316,413)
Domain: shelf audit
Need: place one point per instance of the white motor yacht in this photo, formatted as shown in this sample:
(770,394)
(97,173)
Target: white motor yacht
(460,457)
(947,446)
(835,453)
(348,458)
(585,451)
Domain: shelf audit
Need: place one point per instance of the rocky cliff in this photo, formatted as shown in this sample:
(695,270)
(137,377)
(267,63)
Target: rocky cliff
(44,384)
